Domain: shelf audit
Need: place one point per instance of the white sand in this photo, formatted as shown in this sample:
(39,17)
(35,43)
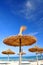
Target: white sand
(23,63)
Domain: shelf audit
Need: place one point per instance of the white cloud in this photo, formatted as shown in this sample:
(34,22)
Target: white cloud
(33,17)
(25,9)
(28,5)
(28,8)
(34,33)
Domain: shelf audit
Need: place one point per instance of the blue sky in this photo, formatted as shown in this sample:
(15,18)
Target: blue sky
(14,14)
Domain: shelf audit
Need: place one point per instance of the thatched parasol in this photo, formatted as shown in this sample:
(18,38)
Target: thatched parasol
(22,53)
(8,52)
(40,51)
(20,40)
(36,50)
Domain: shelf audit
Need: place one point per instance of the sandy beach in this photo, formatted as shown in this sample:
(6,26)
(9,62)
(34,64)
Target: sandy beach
(40,62)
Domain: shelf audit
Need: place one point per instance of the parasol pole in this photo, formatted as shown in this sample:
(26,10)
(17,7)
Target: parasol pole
(20,52)
(8,57)
(37,58)
(20,59)
(41,55)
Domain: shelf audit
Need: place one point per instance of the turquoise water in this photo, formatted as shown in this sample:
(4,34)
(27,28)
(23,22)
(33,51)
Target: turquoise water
(24,58)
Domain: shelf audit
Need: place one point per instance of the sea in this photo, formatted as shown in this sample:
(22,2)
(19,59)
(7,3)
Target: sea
(24,58)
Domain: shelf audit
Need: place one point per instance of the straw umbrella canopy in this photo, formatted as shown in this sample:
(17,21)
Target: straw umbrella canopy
(20,40)
(35,49)
(40,51)
(22,53)
(8,52)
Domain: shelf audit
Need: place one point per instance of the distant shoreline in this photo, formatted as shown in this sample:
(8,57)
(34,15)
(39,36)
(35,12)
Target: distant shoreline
(24,58)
